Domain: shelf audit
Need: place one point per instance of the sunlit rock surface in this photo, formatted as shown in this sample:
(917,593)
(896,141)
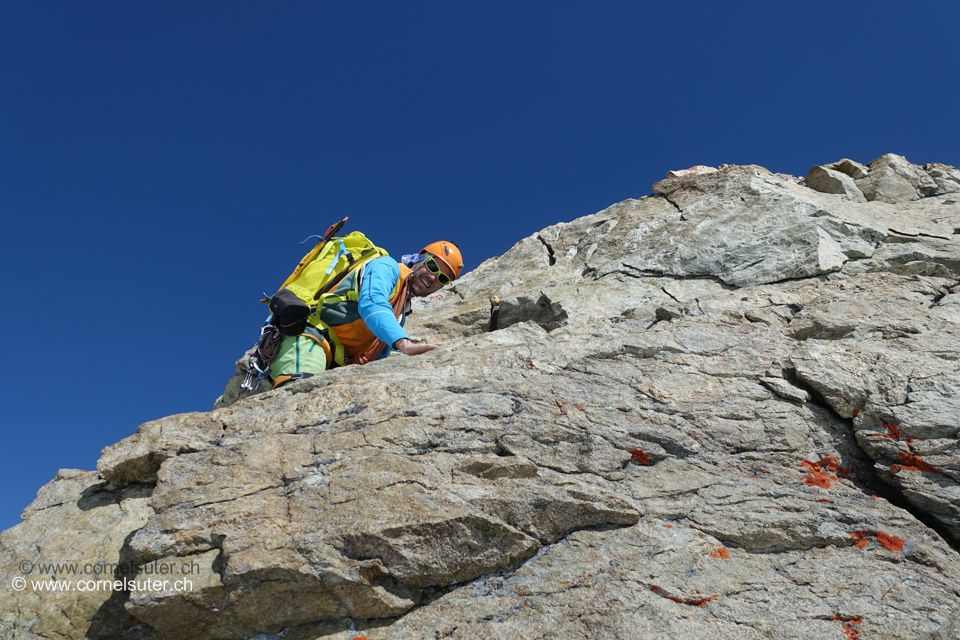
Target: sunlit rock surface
(727,410)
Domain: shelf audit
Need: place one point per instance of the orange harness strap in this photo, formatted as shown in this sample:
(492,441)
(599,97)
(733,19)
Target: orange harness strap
(377,345)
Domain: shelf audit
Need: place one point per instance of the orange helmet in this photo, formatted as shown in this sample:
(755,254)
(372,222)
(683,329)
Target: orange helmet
(448,254)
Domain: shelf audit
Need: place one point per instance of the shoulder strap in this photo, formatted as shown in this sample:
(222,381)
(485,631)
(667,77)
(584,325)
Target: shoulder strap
(377,345)
(330,286)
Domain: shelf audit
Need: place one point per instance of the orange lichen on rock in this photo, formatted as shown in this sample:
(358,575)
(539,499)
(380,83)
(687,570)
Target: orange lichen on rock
(823,500)
(845,472)
(859,539)
(668,526)
(819,476)
(816,478)
(721,553)
(889,542)
(829,462)
(892,432)
(847,629)
(638,456)
(911,462)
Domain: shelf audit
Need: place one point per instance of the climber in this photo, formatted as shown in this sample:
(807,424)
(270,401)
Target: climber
(360,331)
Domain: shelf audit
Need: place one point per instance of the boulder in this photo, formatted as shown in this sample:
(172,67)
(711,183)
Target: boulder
(849,167)
(831,181)
(946,177)
(893,179)
(697,170)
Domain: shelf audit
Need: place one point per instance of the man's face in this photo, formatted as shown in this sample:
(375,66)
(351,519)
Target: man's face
(423,282)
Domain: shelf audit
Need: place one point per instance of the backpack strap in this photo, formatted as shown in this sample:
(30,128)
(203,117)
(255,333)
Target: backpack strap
(320,332)
(354,264)
(399,302)
(322,338)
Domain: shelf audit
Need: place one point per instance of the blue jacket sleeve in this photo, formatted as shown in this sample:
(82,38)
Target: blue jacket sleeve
(379,278)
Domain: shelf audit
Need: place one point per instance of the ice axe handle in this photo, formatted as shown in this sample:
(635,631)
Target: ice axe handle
(334,229)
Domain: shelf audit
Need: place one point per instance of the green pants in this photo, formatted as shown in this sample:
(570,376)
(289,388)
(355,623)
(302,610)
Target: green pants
(298,354)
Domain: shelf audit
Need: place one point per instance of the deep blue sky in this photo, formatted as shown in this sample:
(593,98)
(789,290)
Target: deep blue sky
(159,162)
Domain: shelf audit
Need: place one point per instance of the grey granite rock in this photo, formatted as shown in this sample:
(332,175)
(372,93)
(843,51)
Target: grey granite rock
(828,180)
(946,177)
(849,167)
(727,410)
(894,179)
(76,530)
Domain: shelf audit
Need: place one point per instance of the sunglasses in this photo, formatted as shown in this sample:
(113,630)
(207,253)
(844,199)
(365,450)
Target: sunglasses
(434,267)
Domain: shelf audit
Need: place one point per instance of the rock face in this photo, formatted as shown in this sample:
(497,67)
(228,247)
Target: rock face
(832,181)
(894,179)
(726,410)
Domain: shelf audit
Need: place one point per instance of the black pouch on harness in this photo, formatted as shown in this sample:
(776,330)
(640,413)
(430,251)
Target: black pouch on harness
(289,313)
